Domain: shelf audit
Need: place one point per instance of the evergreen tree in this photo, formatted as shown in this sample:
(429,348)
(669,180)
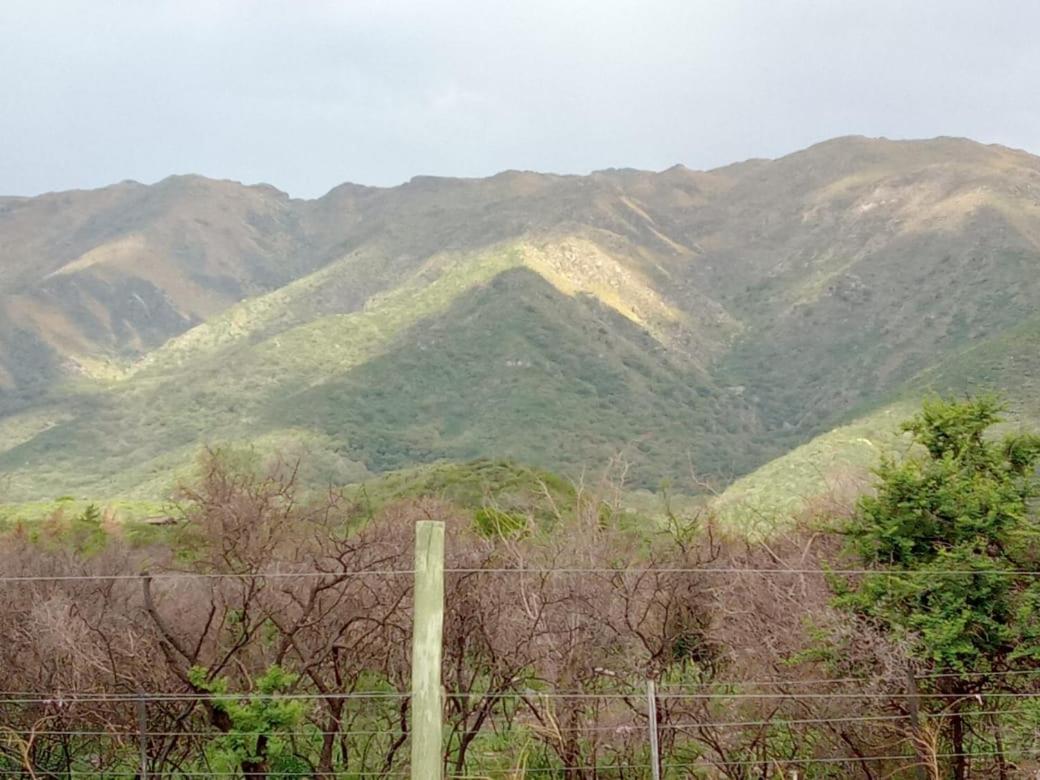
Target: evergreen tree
(953,530)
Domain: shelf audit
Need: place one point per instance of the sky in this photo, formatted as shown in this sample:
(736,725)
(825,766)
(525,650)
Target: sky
(306,94)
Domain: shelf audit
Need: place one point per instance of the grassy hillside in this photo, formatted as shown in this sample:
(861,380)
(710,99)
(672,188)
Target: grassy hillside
(521,370)
(135,430)
(1007,365)
(830,468)
(699,323)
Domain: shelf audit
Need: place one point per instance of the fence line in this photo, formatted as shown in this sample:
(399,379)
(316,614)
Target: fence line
(779,762)
(427,745)
(821,681)
(736,724)
(729,570)
(395,696)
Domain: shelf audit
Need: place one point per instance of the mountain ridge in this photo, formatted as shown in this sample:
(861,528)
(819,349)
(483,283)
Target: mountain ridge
(791,293)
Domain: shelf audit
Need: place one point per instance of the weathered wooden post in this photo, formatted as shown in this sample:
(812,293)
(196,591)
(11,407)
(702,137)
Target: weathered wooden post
(142,737)
(651,712)
(914,701)
(428,625)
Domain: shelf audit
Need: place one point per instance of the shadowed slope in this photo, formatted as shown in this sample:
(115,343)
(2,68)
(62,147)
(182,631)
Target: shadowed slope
(522,371)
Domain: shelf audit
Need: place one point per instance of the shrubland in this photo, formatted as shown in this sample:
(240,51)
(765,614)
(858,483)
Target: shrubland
(266,631)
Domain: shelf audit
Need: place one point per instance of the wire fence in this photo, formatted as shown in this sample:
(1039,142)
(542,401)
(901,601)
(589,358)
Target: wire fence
(661,691)
(101,698)
(706,691)
(779,762)
(680,726)
(728,570)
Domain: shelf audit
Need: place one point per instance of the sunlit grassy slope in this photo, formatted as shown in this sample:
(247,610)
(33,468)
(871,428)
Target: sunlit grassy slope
(834,464)
(474,354)
(534,375)
(504,485)
(498,485)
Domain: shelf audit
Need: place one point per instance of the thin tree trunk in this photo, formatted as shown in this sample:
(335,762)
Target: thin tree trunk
(257,770)
(401,738)
(328,744)
(998,738)
(915,722)
(470,733)
(960,763)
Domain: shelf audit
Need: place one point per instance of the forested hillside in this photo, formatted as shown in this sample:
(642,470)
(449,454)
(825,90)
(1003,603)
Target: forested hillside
(700,323)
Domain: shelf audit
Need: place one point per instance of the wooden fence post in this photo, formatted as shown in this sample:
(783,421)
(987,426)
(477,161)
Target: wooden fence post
(142,737)
(427,629)
(914,702)
(651,712)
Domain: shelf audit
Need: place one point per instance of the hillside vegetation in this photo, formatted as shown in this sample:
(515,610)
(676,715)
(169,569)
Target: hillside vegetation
(266,628)
(701,324)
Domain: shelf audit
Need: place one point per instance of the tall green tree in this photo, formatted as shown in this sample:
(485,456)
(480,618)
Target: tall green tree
(953,531)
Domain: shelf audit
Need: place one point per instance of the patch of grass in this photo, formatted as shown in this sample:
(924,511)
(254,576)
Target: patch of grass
(118,510)
(838,461)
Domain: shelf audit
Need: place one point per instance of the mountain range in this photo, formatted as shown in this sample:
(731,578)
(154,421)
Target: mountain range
(756,326)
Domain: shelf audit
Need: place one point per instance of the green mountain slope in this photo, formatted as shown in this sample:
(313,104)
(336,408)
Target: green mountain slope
(520,369)
(700,324)
(1007,365)
(483,359)
(210,390)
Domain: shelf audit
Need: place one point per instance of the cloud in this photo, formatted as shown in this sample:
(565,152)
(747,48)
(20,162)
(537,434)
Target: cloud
(307,94)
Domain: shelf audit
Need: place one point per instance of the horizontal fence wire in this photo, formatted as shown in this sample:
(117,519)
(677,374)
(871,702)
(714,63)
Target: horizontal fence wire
(856,759)
(59,698)
(93,772)
(723,724)
(636,691)
(729,570)
(208,734)
(706,763)
(1000,673)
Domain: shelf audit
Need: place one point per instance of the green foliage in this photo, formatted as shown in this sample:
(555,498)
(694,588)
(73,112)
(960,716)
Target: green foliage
(523,371)
(492,522)
(954,430)
(963,506)
(257,726)
(508,485)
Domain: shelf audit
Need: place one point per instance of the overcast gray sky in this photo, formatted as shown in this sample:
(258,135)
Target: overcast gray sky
(305,94)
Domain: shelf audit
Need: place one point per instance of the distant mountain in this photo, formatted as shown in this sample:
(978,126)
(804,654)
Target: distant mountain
(699,323)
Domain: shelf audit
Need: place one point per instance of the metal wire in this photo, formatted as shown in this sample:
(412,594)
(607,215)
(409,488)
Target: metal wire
(599,767)
(192,773)
(732,570)
(70,698)
(265,575)
(820,681)
(782,761)
(736,724)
